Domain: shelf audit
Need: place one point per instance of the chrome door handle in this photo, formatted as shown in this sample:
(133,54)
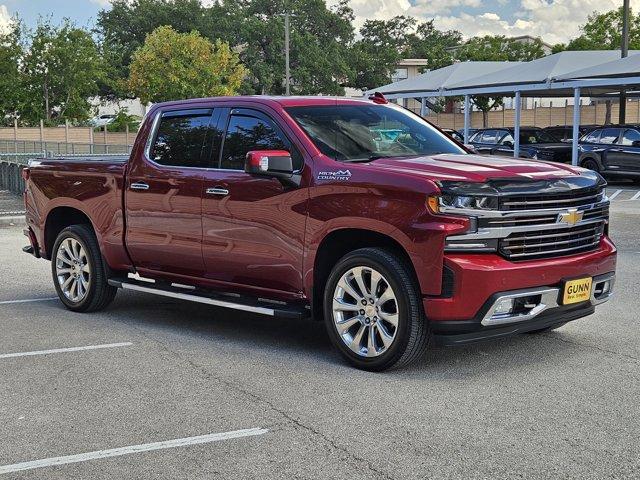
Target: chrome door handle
(139,186)
(217,191)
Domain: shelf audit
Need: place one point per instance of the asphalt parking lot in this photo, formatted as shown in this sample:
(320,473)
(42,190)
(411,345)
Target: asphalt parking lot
(90,396)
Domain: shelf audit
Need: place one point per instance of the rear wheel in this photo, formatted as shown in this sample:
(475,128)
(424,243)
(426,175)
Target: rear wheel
(373,310)
(79,274)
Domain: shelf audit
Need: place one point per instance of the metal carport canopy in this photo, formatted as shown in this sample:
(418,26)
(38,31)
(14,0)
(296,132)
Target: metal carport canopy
(430,84)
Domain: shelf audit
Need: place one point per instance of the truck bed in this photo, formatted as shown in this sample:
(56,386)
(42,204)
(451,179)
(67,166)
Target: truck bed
(91,184)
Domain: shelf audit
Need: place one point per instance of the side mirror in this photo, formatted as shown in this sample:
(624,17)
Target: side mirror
(470,147)
(271,163)
(508,143)
(635,143)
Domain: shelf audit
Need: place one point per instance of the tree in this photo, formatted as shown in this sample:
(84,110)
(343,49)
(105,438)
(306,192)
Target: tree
(379,50)
(61,69)
(172,66)
(497,48)
(603,32)
(11,53)
(319,44)
(124,27)
(435,45)
(384,43)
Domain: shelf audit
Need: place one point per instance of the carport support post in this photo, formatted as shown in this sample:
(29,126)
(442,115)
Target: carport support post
(467,117)
(423,107)
(516,127)
(576,126)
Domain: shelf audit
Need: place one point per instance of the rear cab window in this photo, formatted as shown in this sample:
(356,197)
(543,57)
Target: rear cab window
(182,138)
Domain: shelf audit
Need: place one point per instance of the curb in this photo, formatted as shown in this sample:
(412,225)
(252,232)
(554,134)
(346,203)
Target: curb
(12,221)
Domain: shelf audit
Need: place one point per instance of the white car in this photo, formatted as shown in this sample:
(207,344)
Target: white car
(102,120)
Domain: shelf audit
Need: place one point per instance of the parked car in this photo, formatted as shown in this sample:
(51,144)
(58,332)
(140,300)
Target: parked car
(454,134)
(102,120)
(564,133)
(612,151)
(358,213)
(471,132)
(534,143)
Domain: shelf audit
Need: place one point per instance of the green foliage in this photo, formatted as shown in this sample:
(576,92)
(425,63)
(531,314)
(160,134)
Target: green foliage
(173,66)
(603,32)
(123,120)
(61,68)
(384,43)
(499,48)
(11,95)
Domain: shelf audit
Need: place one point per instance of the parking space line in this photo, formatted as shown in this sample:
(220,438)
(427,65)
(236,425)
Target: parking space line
(145,447)
(65,350)
(635,197)
(27,300)
(615,194)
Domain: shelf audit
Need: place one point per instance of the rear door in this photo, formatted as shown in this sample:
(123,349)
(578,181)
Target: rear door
(163,198)
(253,226)
(624,155)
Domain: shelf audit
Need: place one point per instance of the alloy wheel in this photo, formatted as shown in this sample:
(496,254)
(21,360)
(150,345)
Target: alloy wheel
(72,269)
(365,311)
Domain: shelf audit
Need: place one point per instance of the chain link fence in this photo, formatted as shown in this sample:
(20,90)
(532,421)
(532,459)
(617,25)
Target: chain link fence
(15,156)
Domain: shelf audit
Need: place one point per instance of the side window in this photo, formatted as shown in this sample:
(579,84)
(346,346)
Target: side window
(490,136)
(181,139)
(507,138)
(609,135)
(246,133)
(593,137)
(630,136)
(475,137)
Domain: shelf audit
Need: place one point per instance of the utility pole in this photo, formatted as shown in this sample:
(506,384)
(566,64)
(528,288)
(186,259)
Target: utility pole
(624,51)
(287,72)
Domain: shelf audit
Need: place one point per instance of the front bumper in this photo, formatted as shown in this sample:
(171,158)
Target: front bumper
(545,311)
(479,281)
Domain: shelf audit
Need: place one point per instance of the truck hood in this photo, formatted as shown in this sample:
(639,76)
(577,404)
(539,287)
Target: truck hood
(475,168)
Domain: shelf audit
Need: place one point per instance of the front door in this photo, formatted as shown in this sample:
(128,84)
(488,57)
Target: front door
(163,197)
(253,226)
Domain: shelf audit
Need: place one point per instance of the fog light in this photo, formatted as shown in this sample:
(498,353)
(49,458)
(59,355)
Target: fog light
(504,307)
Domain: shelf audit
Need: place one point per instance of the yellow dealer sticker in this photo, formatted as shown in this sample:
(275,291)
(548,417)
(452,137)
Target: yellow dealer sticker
(576,291)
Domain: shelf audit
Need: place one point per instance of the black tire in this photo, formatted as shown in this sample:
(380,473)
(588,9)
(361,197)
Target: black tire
(546,329)
(413,330)
(99,293)
(591,164)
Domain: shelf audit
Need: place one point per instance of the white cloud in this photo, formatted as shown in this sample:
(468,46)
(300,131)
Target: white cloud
(553,20)
(5,19)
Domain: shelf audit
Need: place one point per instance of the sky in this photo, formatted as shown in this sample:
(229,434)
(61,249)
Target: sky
(554,21)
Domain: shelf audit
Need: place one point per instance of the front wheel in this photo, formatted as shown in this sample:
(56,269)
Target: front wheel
(79,275)
(373,310)
(591,164)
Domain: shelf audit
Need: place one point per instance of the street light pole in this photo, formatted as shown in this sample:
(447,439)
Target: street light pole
(624,51)
(287,72)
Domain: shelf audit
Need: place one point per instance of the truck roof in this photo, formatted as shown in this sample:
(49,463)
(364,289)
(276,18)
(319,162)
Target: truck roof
(292,101)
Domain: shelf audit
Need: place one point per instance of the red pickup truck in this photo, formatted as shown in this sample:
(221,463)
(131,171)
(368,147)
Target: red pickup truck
(357,212)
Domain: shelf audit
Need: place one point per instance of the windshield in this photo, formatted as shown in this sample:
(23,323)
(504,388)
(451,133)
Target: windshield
(352,133)
(536,136)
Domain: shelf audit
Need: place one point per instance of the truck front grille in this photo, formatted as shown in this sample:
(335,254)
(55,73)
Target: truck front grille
(552,200)
(551,243)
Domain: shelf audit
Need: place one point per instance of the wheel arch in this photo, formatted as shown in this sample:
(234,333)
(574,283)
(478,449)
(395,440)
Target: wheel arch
(338,243)
(58,219)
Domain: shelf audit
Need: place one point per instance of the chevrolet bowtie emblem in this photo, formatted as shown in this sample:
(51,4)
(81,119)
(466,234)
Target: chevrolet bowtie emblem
(571,216)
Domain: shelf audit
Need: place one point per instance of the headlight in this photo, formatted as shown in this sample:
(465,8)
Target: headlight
(463,196)
(448,201)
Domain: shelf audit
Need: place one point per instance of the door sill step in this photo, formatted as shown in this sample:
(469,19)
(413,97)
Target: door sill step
(222,299)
